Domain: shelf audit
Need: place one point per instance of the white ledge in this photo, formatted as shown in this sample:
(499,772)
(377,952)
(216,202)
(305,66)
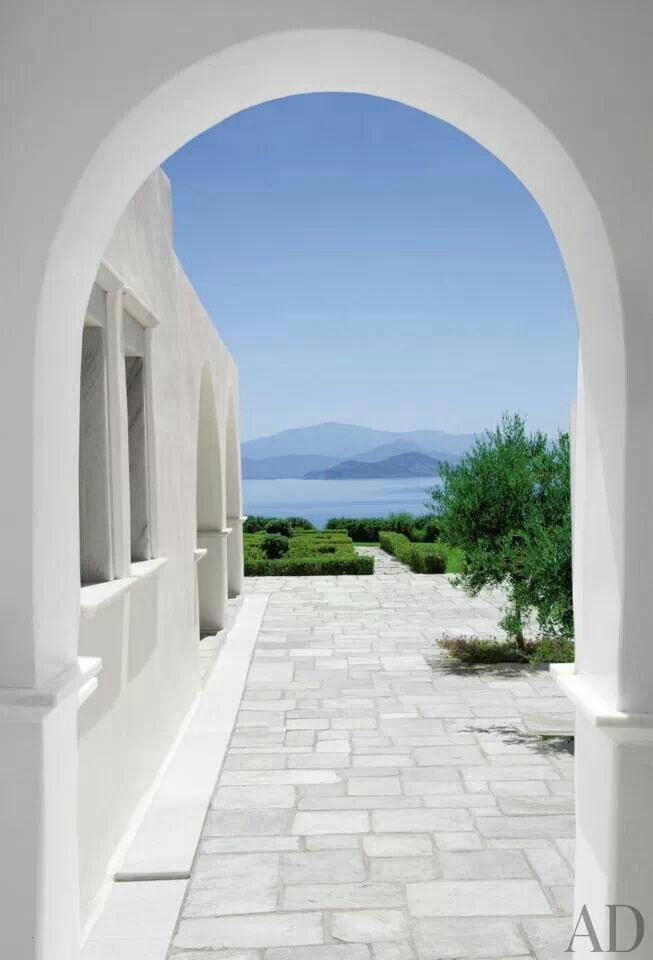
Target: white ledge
(146,568)
(618,724)
(199,553)
(237,520)
(95,596)
(210,534)
(31,704)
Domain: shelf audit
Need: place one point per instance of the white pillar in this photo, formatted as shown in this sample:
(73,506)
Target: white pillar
(236,555)
(212,575)
(39,892)
(614,723)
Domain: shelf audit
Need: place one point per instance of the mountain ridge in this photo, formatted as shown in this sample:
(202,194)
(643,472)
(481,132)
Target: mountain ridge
(343,441)
(412,464)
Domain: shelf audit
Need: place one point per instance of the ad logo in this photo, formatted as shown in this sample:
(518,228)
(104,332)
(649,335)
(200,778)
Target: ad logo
(585,929)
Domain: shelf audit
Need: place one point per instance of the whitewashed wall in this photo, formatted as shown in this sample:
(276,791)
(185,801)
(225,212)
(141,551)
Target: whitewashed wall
(147,635)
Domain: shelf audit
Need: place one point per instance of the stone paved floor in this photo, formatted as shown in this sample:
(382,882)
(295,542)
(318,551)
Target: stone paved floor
(372,807)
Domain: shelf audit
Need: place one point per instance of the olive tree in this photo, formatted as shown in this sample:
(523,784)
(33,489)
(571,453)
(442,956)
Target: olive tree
(507,505)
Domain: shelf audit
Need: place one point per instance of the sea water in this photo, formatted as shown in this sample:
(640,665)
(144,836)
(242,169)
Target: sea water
(317,500)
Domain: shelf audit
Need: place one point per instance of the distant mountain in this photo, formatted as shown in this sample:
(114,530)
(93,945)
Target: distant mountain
(342,441)
(402,465)
(283,468)
(402,446)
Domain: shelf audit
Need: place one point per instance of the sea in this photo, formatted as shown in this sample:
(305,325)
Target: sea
(317,500)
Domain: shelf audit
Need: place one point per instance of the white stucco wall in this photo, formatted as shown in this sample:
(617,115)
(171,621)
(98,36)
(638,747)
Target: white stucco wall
(560,91)
(147,635)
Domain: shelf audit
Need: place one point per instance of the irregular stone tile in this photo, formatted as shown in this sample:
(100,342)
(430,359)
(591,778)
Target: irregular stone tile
(483,864)
(518,806)
(330,951)
(452,939)
(399,845)
(393,951)
(447,756)
(497,772)
(351,821)
(337,896)
(369,926)
(544,827)
(404,869)
(400,821)
(244,798)
(550,867)
(223,885)
(227,823)
(326,842)
(549,937)
(265,672)
(248,844)
(473,898)
(277,777)
(326,866)
(372,786)
(258,930)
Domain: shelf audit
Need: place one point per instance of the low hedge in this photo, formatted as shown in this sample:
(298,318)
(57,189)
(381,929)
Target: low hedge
(420,557)
(284,525)
(417,528)
(310,553)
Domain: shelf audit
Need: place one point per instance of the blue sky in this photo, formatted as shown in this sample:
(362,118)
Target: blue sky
(367,263)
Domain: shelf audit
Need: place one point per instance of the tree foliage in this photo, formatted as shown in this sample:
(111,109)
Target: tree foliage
(507,505)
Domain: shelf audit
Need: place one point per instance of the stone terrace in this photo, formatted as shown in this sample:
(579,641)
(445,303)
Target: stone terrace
(372,807)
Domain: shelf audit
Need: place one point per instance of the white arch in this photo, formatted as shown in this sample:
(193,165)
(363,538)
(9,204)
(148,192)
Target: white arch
(276,65)
(128,124)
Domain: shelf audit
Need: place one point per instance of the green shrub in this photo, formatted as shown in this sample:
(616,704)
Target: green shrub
(473,650)
(507,506)
(479,650)
(553,650)
(367,529)
(255,523)
(275,545)
(310,553)
(284,525)
(359,529)
(427,532)
(279,525)
(300,523)
(420,557)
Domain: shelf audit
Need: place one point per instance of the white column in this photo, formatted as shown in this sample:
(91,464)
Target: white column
(212,576)
(614,722)
(118,438)
(236,555)
(39,893)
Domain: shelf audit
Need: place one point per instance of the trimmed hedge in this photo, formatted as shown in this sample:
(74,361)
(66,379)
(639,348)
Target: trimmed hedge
(284,525)
(310,553)
(417,528)
(420,557)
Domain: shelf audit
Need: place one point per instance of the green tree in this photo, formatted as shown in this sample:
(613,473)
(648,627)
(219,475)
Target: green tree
(507,505)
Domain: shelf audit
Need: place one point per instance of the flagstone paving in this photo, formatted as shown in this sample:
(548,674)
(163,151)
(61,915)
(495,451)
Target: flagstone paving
(377,803)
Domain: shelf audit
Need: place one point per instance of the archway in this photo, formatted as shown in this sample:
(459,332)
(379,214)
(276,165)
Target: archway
(211,557)
(604,236)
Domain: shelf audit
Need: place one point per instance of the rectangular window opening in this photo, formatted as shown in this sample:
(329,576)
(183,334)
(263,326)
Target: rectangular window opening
(94,485)
(138,467)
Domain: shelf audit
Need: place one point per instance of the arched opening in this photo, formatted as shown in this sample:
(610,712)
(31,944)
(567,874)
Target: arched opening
(359,61)
(210,543)
(142,128)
